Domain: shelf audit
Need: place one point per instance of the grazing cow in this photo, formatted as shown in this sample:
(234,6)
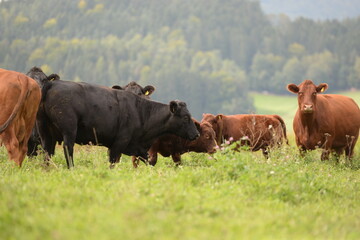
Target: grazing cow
(117,119)
(256,131)
(41,78)
(19,98)
(174,146)
(327,121)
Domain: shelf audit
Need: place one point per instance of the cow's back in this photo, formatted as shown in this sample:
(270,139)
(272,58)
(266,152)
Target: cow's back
(93,110)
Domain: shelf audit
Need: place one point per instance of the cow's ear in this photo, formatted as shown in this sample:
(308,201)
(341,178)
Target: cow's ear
(148,90)
(292,88)
(321,87)
(219,117)
(197,125)
(53,77)
(117,87)
(174,106)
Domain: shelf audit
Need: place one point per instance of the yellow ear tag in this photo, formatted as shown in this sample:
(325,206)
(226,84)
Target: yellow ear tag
(219,116)
(322,90)
(146,93)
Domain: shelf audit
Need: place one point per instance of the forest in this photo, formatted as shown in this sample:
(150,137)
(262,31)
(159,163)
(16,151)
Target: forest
(208,53)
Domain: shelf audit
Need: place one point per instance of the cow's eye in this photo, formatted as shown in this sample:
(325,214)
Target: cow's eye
(301,94)
(207,137)
(314,93)
(186,118)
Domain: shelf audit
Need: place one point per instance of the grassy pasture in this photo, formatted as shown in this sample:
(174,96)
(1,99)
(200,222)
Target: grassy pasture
(231,195)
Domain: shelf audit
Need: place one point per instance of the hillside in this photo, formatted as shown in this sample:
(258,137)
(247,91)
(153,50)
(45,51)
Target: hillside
(208,53)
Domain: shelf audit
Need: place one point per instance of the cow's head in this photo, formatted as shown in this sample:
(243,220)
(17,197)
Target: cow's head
(216,122)
(181,121)
(40,77)
(307,92)
(137,89)
(206,142)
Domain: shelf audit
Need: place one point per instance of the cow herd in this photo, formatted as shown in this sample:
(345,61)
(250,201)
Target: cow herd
(43,110)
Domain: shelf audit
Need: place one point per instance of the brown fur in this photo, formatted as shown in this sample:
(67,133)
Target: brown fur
(328,121)
(19,98)
(256,131)
(174,146)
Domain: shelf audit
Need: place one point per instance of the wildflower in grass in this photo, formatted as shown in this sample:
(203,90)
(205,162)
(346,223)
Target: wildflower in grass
(244,138)
(272,172)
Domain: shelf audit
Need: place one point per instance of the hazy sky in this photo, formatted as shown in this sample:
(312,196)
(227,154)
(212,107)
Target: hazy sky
(315,9)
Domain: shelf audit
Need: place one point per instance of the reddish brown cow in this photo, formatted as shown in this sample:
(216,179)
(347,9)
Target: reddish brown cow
(256,131)
(174,146)
(19,98)
(327,121)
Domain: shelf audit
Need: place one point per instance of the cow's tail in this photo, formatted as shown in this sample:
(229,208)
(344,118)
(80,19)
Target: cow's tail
(283,126)
(23,94)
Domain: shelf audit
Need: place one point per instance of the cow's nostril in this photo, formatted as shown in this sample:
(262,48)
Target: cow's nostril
(308,107)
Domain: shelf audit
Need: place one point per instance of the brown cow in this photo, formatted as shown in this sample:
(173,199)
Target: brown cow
(256,131)
(19,98)
(327,121)
(174,146)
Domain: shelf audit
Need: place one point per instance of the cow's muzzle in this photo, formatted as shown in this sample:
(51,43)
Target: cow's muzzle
(308,108)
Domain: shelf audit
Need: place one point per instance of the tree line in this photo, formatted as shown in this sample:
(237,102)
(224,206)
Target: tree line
(209,53)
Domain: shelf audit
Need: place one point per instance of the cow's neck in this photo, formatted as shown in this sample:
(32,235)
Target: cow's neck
(309,123)
(156,121)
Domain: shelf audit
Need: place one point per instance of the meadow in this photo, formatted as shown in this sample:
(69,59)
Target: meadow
(229,195)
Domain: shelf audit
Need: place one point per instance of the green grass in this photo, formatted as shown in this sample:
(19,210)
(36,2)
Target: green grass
(231,195)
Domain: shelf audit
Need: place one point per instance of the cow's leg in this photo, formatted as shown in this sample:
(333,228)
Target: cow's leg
(302,151)
(12,144)
(327,147)
(48,141)
(337,153)
(22,152)
(135,161)
(265,152)
(349,152)
(325,154)
(49,148)
(349,149)
(68,146)
(114,155)
(176,158)
(32,146)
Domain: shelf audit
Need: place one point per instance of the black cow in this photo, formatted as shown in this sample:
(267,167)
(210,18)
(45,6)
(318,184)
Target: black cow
(41,78)
(117,119)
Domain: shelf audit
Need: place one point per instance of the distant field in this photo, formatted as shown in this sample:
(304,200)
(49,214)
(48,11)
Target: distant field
(286,106)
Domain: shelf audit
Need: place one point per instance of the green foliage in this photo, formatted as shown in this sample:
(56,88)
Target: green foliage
(208,53)
(228,195)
